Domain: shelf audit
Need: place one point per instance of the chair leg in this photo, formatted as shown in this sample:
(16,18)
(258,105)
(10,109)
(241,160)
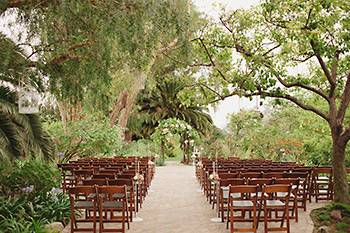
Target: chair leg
(254,218)
(101,220)
(288,222)
(72,223)
(265,219)
(231,220)
(94,220)
(123,219)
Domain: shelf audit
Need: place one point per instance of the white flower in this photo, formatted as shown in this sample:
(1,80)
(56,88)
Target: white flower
(56,190)
(28,189)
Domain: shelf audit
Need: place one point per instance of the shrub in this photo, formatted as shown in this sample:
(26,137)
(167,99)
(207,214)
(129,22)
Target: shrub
(342,226)
(323,217)
(29,176)
(91,136)
(21,214)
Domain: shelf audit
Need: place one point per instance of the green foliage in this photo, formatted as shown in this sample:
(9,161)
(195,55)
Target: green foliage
(170,127)
(170,133)
(293,135)
(218,143)
(342,227)
(83,43)
(344,208)
(21,135)
(28,197)
(91,136)
(34,174)
(22,214)
(164,101)
(324,217)
(142,147)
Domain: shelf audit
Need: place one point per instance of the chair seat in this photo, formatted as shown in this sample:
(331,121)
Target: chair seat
(84,204)
(284,194)
(259,194)
(225,194)
(112,204)
(274,203)
(70,178)
(242,203)
(225,188)
(120,195)
(91,195)
(323,191)
(323,178)
(322,181)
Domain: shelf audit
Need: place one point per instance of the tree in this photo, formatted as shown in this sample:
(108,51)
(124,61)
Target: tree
(163,102)
(83,44)
(287,49)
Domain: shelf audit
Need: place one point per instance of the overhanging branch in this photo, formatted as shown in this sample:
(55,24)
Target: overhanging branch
(293,99)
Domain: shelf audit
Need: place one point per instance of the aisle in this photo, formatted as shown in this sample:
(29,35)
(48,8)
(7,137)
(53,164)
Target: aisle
(175,205)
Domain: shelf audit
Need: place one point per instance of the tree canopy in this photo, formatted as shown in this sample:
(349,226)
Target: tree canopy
(288,50)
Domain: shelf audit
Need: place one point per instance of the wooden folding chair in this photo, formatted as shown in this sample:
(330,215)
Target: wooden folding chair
(293,198)
(83,198)
(322,183)
(112,200)
(269,202)
(222,194)
(304,187)
(241,199)
(130,193)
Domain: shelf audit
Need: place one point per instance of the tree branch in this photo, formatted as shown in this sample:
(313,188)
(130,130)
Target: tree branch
(324,68)
(64,57)
(211,59)
(346,134)
(301,85)
(280,96)
(345,100)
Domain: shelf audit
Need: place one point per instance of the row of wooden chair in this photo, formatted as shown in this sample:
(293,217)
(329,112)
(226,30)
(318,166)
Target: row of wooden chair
(91,178)
(217,177)
(222,193)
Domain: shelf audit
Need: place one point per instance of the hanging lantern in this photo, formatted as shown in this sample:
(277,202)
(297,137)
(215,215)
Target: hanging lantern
(28,100)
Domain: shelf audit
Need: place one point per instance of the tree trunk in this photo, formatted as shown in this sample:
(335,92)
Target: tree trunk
(137,86)
(341,187)
(118,106)
(63,113)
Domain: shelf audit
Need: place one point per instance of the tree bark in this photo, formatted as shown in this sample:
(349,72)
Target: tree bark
(118,106)
(63,113)
(341,187)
